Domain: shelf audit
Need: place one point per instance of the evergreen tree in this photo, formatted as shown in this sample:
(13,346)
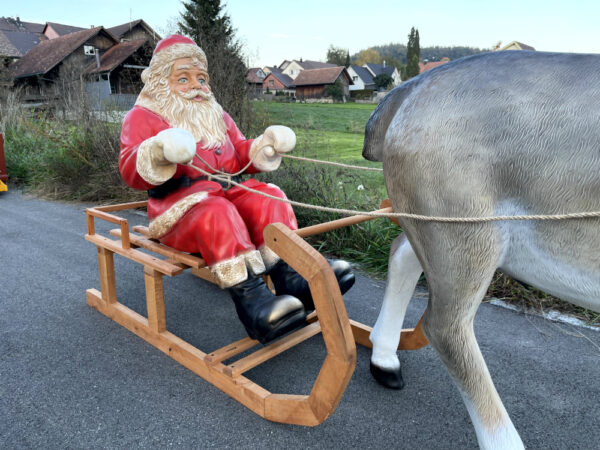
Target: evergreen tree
(413,53)
(347,63)
(207,24)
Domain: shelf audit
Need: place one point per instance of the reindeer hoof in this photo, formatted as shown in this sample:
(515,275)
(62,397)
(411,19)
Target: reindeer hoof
(391,379)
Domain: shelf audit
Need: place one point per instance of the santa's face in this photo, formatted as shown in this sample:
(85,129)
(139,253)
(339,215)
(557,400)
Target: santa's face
(189,80)
(179,92)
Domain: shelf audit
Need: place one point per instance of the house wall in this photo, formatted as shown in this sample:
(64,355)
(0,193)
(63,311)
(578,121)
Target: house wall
(293,69)
(316,91)
(272,83)
(100,41)
(397,78)
(345,83)
(50,33)
(358,82)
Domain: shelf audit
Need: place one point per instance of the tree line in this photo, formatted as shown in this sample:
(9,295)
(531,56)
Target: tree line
(405,57)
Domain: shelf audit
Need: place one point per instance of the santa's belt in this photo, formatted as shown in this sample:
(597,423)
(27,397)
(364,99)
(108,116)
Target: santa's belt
(174,184)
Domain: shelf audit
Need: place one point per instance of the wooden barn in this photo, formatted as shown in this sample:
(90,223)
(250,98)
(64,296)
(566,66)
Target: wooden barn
(311,83)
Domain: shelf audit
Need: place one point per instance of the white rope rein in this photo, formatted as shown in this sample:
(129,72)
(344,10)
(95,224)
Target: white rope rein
(351,212)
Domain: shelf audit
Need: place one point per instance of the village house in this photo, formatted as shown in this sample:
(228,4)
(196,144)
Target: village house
(516,45)
(311,84)
(378,69)
(137,29)
(108,62)
(428,65)
(362,79)
(276,81)
(294,67)
(255,78)
(17,38)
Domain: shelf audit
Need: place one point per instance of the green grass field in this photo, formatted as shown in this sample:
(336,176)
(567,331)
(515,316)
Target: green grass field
(325,131)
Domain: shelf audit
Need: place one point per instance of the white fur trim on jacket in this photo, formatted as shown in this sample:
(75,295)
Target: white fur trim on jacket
(162,224)
(235,270)
(150,164)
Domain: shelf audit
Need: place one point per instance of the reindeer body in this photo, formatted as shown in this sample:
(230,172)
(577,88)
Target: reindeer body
(505,133)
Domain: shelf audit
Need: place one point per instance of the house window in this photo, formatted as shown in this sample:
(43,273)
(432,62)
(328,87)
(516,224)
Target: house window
(354,78)
(271,83)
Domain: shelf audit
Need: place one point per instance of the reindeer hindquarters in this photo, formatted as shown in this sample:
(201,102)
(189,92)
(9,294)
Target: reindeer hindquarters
(459,262)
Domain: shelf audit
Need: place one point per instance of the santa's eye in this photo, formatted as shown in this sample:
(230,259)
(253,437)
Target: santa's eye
(183,80)
(202,81)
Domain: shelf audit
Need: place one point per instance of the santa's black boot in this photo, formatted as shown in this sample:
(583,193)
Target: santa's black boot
(287,281)
(264,315)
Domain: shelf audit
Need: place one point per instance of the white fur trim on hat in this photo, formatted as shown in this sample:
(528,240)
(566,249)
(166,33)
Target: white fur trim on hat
(177,51)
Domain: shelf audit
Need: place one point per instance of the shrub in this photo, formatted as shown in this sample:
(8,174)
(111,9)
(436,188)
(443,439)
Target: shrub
(362,94)
(336,90)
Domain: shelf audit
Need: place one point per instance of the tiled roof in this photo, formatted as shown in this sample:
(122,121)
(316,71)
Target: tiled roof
(120,30)
(430,65)
(518,44)
(285,80)
(10,24)
(318,76)
(309,65)
(7,48)
(62,30)
(378,69)
(253,76)
(23,41)
(115,56)
(363,74)
(48,54)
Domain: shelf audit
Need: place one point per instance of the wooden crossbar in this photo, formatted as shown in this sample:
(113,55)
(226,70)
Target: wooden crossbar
(264,354)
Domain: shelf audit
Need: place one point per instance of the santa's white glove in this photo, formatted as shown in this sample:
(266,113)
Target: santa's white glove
(281,138)
(265,150)
(178,146)
(157,157)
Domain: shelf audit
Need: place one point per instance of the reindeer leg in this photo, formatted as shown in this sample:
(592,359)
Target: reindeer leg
(403,274)
(458,278)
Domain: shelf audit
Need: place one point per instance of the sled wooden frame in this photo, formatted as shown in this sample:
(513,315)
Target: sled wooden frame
(330,318)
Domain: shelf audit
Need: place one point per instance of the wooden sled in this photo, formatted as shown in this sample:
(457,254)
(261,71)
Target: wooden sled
(330,318)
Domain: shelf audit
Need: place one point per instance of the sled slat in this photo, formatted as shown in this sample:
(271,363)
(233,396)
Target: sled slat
(135,255)
(274,349)
(230,350)
(175,255)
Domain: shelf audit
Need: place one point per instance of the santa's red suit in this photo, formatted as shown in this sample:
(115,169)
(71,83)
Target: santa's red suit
(198,215)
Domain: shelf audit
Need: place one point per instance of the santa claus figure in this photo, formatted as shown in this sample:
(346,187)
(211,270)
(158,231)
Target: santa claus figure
(176,122)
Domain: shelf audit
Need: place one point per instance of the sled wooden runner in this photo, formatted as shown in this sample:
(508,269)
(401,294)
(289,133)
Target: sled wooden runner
(330,318)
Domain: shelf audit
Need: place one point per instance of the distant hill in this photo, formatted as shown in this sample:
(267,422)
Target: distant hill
(394,53)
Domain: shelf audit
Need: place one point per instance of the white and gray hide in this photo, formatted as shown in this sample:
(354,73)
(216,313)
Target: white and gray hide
(504,133)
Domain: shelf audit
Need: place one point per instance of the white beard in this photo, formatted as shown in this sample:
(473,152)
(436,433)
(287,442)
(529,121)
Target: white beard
(204,119)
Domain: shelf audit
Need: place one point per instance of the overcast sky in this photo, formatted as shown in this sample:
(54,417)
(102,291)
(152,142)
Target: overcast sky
(276,30)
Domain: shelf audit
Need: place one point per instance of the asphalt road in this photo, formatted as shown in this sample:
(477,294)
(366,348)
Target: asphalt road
(72,378)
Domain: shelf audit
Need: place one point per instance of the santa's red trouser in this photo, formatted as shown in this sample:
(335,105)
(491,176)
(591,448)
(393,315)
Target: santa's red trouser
(228,223)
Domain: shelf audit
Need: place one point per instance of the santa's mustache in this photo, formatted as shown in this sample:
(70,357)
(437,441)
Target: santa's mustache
(190,95)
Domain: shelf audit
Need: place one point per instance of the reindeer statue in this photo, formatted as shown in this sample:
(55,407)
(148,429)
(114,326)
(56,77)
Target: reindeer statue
(499,134)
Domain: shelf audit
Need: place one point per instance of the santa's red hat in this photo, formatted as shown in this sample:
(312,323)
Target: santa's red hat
(174,47)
